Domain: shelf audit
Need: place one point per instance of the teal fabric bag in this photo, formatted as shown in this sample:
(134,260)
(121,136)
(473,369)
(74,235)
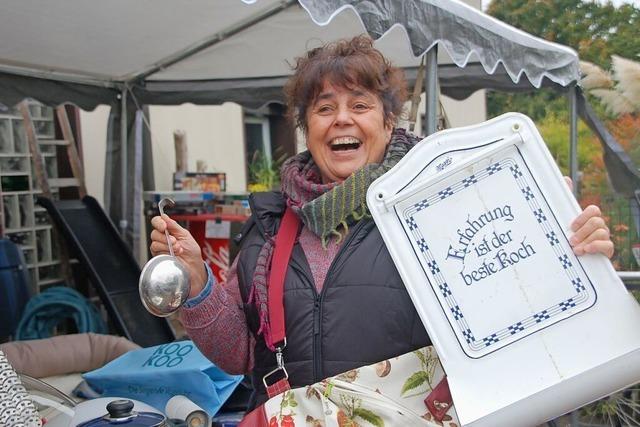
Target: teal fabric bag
(154,375)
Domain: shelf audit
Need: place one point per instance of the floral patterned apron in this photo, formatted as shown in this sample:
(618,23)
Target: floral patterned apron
(387,393)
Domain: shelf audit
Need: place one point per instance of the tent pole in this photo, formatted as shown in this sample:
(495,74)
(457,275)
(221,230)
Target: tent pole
(431,88)
(123,162)
(573,138)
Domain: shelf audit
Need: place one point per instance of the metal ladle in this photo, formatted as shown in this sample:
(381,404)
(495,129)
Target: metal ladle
(164,282)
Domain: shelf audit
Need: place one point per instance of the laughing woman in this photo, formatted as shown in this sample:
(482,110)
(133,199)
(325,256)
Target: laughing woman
(344,302)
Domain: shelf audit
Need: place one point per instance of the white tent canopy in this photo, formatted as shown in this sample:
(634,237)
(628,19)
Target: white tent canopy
(107,44)
(127,54)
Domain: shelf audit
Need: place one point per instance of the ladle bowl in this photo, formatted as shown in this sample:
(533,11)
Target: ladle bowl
(164,283)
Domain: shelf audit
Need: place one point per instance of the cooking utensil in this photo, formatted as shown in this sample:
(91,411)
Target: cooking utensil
(164,282)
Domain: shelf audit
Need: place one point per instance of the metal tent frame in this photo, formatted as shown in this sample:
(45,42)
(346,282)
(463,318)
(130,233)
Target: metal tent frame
(30,68)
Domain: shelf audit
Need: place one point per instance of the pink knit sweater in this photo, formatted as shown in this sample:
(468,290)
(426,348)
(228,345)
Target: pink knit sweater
(218,325)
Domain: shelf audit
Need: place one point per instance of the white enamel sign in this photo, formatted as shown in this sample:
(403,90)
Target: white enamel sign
(477,222)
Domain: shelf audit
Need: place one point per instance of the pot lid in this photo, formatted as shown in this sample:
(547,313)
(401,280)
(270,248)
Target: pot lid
(120,412)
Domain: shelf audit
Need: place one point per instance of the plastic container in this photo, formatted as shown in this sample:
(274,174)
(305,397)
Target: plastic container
(14,286)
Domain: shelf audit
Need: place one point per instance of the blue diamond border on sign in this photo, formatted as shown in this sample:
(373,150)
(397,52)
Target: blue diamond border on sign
(455,314)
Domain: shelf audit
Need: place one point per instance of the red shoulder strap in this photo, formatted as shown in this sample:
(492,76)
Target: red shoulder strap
(281,254)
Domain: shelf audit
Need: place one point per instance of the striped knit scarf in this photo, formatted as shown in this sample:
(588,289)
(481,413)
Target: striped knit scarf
(326,209)
(329,209)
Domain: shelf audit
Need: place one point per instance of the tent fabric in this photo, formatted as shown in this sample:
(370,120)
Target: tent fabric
(139,173)
(85,52)
(15,88)
(209,52)
(463,32)
(109,43)
(253,93)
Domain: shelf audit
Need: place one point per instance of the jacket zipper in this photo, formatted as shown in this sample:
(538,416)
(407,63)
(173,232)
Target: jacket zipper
(317,307)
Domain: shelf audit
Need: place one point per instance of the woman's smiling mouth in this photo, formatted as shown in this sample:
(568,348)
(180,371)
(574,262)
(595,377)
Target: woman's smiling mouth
(345,143)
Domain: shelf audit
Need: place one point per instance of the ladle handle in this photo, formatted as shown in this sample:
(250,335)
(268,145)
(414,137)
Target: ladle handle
(161,205)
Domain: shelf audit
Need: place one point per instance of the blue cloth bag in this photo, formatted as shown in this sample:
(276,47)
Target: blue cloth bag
(154,375)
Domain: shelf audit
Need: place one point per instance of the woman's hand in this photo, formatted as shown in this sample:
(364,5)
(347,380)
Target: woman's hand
(185,248)
(591,234)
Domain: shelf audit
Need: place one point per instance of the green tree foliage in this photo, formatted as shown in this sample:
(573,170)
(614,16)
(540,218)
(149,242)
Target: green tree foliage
(535,105)
(595,30)
(554,131)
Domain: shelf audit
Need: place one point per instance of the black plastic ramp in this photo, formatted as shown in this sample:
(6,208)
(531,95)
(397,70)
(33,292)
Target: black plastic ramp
(95,241)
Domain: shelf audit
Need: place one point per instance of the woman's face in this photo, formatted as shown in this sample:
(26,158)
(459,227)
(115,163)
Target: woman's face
(345,131)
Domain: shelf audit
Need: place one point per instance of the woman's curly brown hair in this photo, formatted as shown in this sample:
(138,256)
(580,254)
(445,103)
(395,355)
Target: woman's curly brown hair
(349,64)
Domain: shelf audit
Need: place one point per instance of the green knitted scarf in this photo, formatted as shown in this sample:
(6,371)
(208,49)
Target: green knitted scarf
(329,209)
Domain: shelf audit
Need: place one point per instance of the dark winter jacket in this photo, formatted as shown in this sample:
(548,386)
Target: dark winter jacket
(362,315)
